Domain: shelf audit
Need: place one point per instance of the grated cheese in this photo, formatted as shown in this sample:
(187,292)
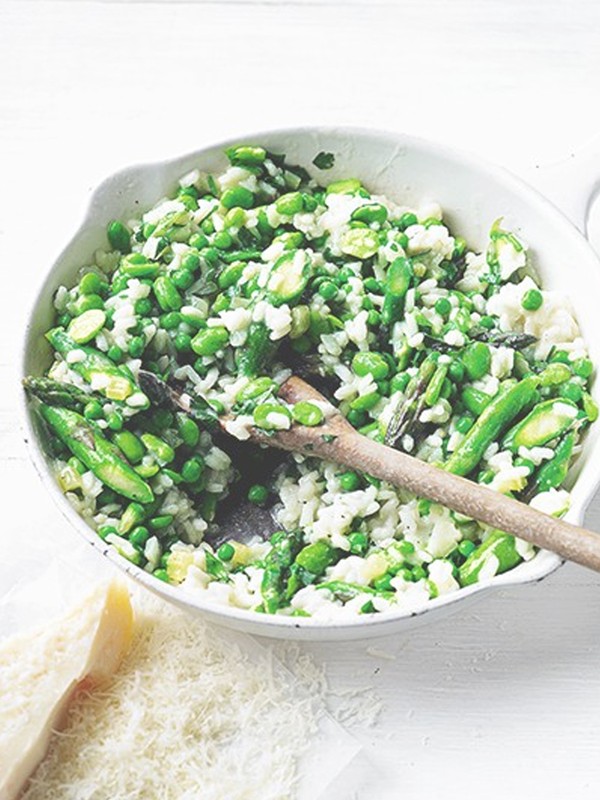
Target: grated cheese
(189,715)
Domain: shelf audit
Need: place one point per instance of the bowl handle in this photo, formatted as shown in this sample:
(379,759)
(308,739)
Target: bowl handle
(572,183)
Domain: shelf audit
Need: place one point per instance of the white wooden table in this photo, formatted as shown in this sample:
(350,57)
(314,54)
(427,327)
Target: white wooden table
(503,699)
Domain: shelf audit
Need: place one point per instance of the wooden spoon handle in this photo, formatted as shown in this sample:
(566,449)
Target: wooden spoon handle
(464,496)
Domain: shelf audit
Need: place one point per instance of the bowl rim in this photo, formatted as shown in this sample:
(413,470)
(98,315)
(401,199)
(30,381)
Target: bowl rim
(263,624)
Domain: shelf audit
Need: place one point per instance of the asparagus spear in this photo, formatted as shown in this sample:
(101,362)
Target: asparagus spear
(97,369)
(285,546)
(54,393)
(409,413)
(91,447)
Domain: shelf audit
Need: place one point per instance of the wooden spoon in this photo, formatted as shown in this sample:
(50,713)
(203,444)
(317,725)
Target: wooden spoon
(336,440)
(352,449)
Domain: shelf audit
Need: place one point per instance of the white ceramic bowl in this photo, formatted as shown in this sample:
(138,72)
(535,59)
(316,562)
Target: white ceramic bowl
(472,194)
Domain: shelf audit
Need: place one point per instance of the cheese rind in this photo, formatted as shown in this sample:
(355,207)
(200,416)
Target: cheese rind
(40,672)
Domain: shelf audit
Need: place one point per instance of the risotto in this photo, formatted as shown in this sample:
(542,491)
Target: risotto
(236,281)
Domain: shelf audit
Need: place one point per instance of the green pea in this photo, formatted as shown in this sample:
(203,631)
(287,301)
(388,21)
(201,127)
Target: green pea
(115,353)
(119,236)
(183,342)
(374,318)
(405,548)
(384,583)
(136,346)
(226,552)
(93,410)
(182,278)
(114,421)
(92,283)
(366,402)
(307,413)
(349,481)
(328,290)
(237,196)
(223,240)
(560,356)
(198,241)
(418,573)
(166,294)
(139,536)
(443,306)
(162,575)
(188,430)
(258,494)
(207,226)
(487,322)
(359,543)
(456,371)
(367,363)
(532,300)
(406,220)
(209,341)
(129,444)
(477,360)
(289,204)
(170,320)
(143,306)
(192,469)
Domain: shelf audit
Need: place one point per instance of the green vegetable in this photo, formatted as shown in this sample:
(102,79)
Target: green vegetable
(397,283)
(271,416)
(209,341)
(545,422)
(532,300)
(553,472)
(359,243)
(96,368)
(162,451)
(119,236)
(477,360)
(288,277)
(285,547)
(129,444)
(259,349)
(498,546)
(90,446)
(316,557)
(367,363)
(258,494)
(306,413)
(324,160)
(495,418)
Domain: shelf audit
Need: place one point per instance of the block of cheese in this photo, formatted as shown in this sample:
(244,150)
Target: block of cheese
(40,672)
